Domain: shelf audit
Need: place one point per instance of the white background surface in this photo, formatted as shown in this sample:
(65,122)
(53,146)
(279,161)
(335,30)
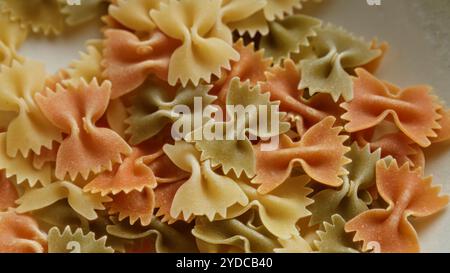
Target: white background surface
(418,33)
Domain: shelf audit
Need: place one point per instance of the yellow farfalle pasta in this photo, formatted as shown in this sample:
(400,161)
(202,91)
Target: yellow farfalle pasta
(193,22)
(42,16)
(29,130)
(205,193)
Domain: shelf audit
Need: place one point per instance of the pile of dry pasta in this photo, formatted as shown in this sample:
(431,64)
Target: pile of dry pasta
(89,162)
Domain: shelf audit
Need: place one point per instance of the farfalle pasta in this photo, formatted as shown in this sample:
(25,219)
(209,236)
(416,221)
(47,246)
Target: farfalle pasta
(205,193)
(320,152)
(154,108)
(75,242)
(128,60)
(194,25)
(209,126)
(43,16)
(335,51)
(83,203)
(407,194)
(29,130)
(416,104)
(77,111)
(20,234)
(236,153)
(352,198)
(288,35)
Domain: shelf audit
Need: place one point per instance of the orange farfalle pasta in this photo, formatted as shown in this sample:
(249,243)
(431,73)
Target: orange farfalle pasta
(397,145)
(282,84)
(444,133)
(251,66)
(8,193)
(320,152)
(413,110)
(131,175)
(20,234)
(375,63)
(407,194)
(128,61)
(136,205)
(87,148)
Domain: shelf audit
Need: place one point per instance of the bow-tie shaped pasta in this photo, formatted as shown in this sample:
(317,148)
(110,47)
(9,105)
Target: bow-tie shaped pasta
(20,234)
(153,106)
(249,20)
(444,133)
(334,239)
(320,152)
(352,198)
(135,14)
(87,11)
(282,84)
(205,193)
(135,205)
(28,130)
(165,238)
(22,169)
(164,195)
(251,66)
(235,152)
(335,52)
(278,9)
(83,203)
(397,145)
(235,14)
(233,235)
(281,209)
(40,16)
(407,194)
(128,61)
(286,36)
(11,37)
(75,111)
(193,22)
(413,110)
(75,242)
(243,235)
(132,175)
(87,67)
(59,214)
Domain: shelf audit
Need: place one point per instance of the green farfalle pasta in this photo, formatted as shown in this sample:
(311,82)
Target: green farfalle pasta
(336,51)
(234,151)
(76,242)
(153,109)
(239,235)
(352,197)
(244,234)
(334,239)
(287,36)
(173,238)
(82,202)
(60,215)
